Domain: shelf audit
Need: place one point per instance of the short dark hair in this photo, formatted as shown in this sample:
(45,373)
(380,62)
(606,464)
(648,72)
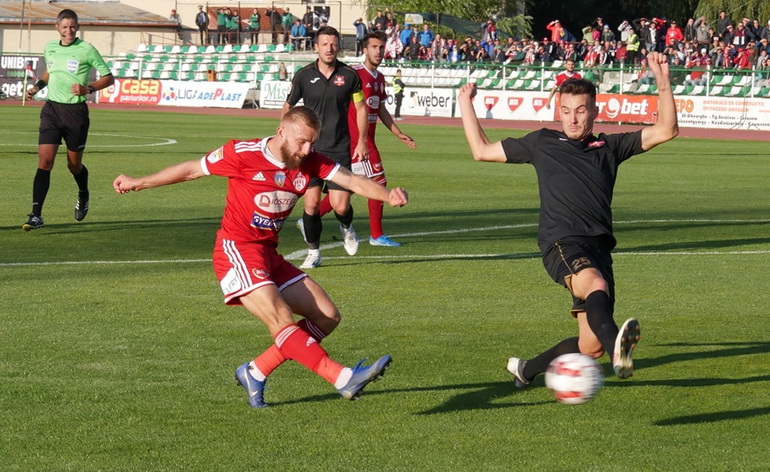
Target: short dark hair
(328,31)
(578,87)
(380,35)
(67,14)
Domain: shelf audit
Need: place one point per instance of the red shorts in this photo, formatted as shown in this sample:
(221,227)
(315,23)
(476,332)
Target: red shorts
(244,267)
(371,167)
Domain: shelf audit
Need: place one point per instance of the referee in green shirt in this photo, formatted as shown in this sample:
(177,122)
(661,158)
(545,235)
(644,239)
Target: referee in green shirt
(65,114)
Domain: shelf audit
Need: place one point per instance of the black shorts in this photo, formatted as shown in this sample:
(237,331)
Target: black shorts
(570,255)
(343,159)
(68,121)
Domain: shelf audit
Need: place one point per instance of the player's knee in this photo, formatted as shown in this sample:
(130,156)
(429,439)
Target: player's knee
(592,348)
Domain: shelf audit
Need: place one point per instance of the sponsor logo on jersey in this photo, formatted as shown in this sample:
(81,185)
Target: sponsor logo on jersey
(263,222)
(373,102)
(339,81)
(215,156)
(368,85)
(275,202)
(259,177)
(596,144)
(280,178)
(314,80)
(299,182)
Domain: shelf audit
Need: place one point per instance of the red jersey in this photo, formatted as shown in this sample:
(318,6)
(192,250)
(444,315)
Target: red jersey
(261,191)
(373,87)
(564,75)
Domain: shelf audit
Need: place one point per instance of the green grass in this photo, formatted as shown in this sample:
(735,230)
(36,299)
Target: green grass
(116,352)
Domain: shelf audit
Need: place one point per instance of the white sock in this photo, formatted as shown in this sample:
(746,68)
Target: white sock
(343,378)
(255,372)
(314,252)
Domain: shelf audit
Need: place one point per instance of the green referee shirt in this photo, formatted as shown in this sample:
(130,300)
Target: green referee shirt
(70,65)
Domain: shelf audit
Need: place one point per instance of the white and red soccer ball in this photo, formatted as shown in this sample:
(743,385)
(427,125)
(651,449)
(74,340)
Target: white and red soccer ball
(574,378)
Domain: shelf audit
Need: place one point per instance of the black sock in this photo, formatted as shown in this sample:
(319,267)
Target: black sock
(599,316)
(539,364)
(346,218)
(39,190)
(313,227)
(82,180)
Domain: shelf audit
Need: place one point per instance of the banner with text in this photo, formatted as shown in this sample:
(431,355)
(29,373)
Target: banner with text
(422,102)
(15,69)
(132,91)
(723,112)
(273,93)
(176,93)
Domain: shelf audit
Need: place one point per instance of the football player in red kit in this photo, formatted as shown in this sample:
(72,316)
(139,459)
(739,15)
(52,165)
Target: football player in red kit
(266,177)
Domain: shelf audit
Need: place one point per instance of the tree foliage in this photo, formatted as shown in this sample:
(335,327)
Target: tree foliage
(751,9)
(508,19)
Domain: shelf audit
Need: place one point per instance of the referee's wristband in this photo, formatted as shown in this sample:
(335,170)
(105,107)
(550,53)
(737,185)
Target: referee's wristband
(40,84)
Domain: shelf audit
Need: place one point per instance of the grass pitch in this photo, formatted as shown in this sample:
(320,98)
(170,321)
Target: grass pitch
(116,352)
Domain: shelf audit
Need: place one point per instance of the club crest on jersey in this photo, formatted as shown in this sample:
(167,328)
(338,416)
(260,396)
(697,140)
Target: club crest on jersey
(299,181)
(339,81)
(72,66)
(280,178)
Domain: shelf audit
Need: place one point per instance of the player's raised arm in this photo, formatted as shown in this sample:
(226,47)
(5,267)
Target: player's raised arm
(481,148)
(369,188)
(185,171)
(667,126)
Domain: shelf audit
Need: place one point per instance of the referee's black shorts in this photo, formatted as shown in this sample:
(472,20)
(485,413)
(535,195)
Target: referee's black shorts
(343,159)
(570,255)
(68,121)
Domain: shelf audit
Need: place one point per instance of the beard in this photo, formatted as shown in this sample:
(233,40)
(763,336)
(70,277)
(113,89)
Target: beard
(292,161)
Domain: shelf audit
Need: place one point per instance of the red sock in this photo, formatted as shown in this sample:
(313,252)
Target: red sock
(269,360)
(375,218)
(296,344)
(375,211)
(325,206)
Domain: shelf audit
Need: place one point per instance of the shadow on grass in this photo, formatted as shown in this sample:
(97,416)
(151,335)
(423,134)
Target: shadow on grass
(481,396)
(714,417)
(730,349)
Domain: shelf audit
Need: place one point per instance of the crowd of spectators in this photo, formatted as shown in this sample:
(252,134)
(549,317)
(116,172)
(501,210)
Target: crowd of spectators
(279,25)
(694,43)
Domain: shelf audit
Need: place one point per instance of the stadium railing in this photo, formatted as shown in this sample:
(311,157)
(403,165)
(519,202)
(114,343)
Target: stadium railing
(256,63)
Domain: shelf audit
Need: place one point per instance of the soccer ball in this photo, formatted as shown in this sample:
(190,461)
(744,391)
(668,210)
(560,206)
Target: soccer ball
(574,378)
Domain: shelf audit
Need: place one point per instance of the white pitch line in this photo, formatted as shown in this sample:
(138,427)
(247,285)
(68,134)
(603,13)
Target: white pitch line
(300,254)
(163,142)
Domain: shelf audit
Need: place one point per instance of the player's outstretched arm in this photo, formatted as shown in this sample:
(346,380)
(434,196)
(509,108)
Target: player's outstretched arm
(481,148)
(667,126)
(368,188)
(185,171)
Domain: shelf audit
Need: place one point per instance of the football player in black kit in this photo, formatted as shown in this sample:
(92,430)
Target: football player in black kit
(576,173)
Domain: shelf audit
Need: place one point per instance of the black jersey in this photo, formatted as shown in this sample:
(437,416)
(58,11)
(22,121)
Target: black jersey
(576,179)
(330,99)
